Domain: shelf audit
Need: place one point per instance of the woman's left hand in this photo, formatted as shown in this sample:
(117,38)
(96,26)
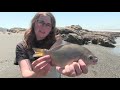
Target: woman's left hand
(74,69)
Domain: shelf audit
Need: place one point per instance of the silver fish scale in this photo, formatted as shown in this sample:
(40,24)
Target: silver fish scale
(70,52)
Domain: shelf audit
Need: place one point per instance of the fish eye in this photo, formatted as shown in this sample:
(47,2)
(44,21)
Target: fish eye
(90,57)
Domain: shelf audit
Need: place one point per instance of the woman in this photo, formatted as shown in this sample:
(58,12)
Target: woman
(42,35)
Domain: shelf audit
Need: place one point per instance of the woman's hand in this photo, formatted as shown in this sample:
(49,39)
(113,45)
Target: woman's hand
(42,66)
(74,69)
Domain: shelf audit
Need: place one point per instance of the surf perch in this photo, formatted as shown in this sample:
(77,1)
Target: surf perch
(63,53)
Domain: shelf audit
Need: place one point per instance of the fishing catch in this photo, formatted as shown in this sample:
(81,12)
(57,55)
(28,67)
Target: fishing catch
(63,53)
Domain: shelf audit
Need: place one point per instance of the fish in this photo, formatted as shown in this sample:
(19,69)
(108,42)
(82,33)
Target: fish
(64,53)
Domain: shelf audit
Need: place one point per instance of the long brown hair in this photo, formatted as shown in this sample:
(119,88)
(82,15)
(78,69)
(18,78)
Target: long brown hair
(30,37)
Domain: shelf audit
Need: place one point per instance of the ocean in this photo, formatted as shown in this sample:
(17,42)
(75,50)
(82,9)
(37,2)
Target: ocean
(116,50)
(106,30)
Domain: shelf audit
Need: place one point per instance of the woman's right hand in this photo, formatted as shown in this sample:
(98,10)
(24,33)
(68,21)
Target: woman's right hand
(41,66)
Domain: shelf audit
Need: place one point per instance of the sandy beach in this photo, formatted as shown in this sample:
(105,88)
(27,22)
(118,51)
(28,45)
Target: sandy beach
(108,65)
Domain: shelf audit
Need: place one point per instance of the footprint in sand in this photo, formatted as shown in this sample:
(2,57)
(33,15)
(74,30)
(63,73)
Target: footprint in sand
(94,72)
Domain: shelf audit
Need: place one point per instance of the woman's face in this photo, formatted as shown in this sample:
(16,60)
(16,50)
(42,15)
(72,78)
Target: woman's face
(42,27)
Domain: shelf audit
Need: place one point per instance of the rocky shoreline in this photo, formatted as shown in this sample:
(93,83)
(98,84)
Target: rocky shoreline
(75,34)
(107,66)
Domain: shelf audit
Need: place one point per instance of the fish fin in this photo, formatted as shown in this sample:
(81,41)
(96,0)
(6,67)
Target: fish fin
(38,52)
(58,37)
(59,43)
(60,40)
(37,49)
(56,48)
(37,55)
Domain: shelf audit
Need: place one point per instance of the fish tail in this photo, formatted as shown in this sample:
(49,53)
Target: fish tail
(38,52)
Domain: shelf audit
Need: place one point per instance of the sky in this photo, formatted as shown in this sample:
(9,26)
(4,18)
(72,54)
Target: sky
(87,20)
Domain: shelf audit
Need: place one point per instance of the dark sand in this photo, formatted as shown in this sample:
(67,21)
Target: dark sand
(108,65)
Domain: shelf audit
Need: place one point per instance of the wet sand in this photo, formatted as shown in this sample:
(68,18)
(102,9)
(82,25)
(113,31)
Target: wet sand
(7,55)
(108,65)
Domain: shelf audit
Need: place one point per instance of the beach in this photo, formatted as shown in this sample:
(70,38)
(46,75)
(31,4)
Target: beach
(7,55)
(108,65)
